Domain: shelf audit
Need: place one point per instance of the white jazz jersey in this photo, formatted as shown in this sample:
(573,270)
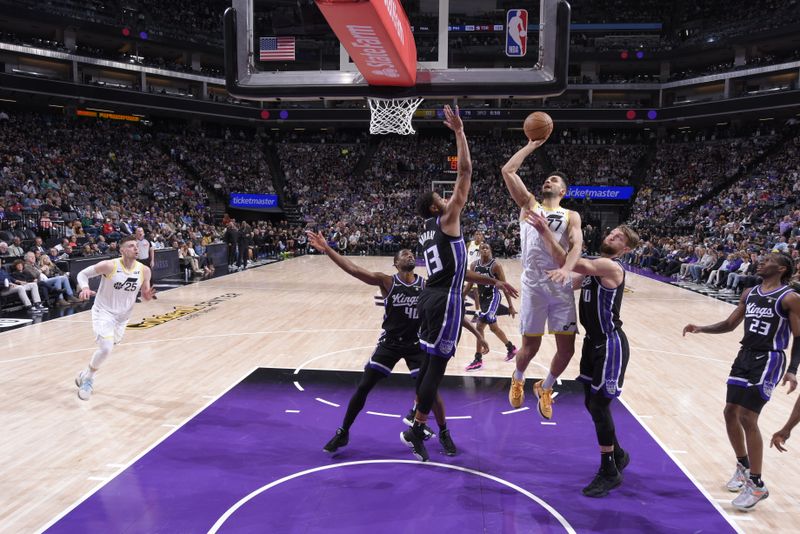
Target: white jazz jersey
(473,252)
(117,293)
(535,257)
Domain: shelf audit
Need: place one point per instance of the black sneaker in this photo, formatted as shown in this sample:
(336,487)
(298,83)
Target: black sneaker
(409,420)
(476,364)
(602,484)
(416,444)
(340,439)
(623,461)
(447,442)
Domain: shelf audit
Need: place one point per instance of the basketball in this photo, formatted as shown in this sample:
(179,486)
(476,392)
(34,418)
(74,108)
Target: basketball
(538,126)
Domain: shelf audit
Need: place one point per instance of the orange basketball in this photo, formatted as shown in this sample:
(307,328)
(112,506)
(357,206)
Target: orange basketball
(538,126)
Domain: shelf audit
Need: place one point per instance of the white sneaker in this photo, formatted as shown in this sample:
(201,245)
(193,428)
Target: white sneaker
(739,478)
(85,386)
(751,496)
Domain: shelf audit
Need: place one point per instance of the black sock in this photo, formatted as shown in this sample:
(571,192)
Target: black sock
(478,356)
(618,451)
(756,478)
(607,464)
(442,427)
(509,345)
(745,461)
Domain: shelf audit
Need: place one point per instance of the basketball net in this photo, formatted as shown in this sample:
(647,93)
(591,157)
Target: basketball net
(392,115)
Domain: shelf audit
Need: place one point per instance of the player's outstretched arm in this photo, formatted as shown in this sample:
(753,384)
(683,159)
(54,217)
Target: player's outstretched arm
(469,285)
(514,183)
(451,218)
(575,243)
(554,248)
(779,438)
(98,269)
(481,340)
(501,275)
(476,278)
(728,325)
(791,304)
(382,280)
(147,290)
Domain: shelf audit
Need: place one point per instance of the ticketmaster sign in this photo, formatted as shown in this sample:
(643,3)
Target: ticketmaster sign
(253,202)
(598,192)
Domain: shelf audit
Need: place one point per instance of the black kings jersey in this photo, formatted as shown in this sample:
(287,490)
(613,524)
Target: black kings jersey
(401,318)
(766,324)
(599,307)
(486,293)
(445,256)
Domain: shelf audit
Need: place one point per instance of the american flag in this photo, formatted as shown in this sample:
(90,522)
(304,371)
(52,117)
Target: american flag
(276,49)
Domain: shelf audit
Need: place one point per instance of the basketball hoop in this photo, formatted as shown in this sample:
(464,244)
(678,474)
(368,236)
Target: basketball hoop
(392,115)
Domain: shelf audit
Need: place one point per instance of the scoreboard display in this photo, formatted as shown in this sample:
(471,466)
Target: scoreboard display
(452,164)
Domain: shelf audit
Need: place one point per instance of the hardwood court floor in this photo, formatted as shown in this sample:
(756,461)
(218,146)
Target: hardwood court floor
(305,311)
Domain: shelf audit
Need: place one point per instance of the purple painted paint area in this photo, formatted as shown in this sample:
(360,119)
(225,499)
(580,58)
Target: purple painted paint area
(245,441)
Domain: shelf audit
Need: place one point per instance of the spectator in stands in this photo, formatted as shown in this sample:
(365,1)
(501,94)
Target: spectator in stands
(77,229)
(715,275)
(684,273)
(746,269)
(26,278)
(12,286)
(38,246)
(15,249)
(204,262)
(4,250)
(102,244)
(781,245)
(54,279)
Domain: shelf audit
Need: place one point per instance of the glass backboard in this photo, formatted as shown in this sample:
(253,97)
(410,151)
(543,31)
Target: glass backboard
(493,48)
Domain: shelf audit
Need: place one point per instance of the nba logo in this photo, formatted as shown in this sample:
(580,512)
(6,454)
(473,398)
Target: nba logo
(516,32)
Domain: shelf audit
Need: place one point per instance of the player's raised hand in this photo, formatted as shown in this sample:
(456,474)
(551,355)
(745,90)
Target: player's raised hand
(86,294)
(508,288)
(779,439)
(560,276)
(536,144)
(452,119)
(691,329)
(317,240)
(537,220)
(791,379)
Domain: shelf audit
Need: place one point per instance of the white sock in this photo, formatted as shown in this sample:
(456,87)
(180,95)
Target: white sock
(89,373)
(549,381)
(519,375)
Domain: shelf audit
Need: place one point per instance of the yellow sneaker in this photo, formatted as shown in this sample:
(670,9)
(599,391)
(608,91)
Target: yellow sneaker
(545,397)
(516,395)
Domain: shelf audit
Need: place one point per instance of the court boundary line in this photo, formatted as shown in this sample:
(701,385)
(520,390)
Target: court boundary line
(244,500)
(683,468)
(139,456)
